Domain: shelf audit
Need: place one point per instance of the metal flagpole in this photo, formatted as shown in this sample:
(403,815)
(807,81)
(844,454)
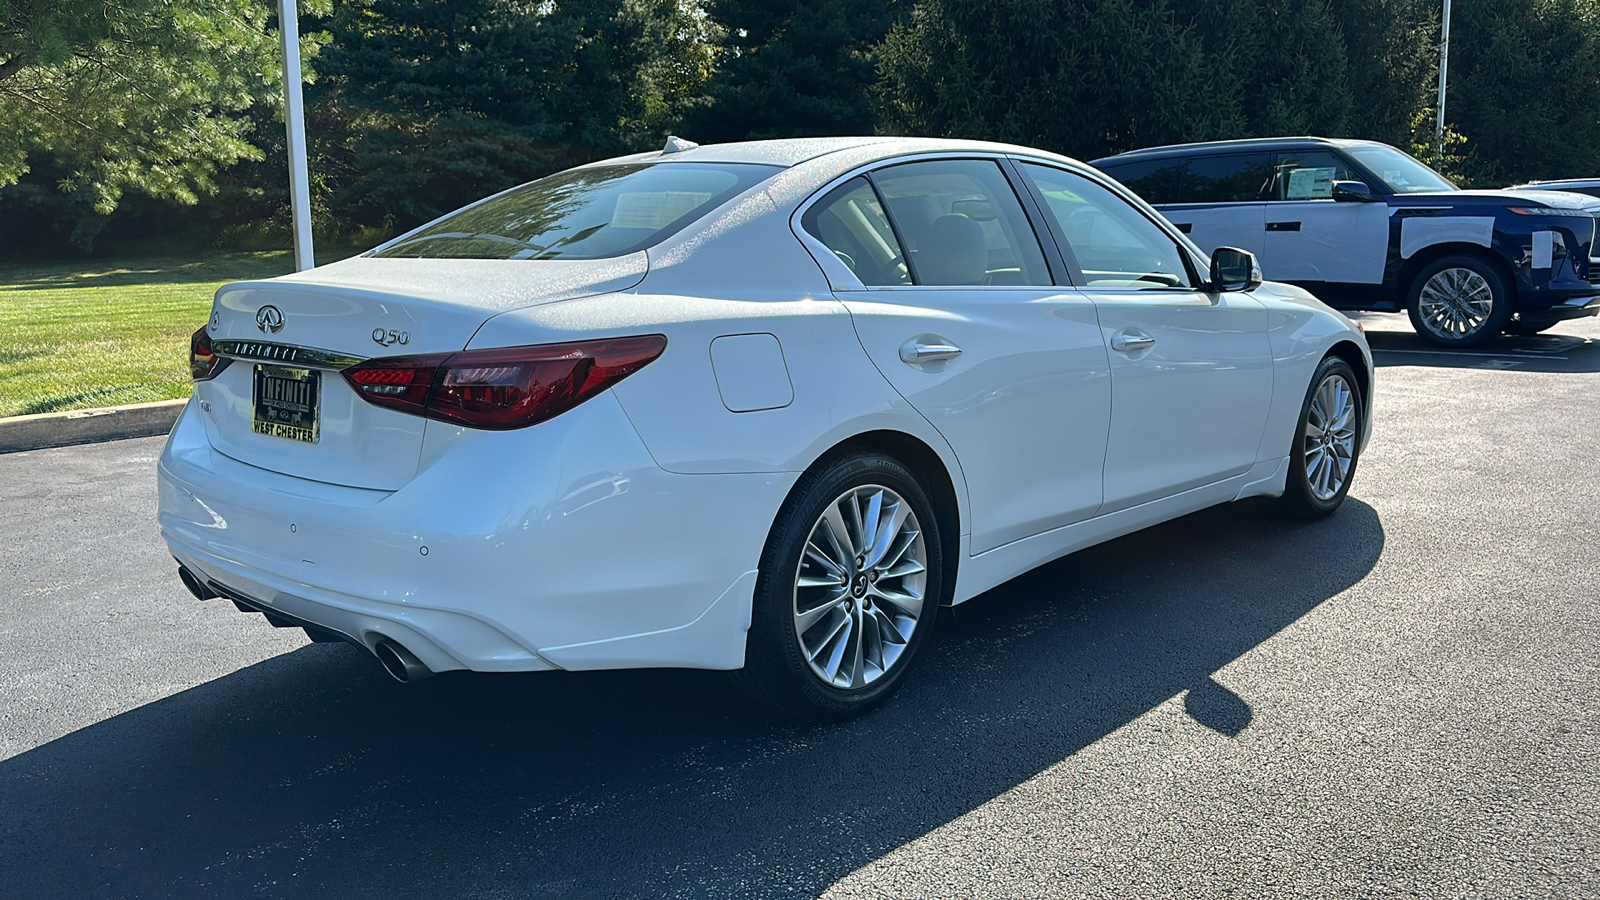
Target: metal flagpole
(295,123)
(1444,68)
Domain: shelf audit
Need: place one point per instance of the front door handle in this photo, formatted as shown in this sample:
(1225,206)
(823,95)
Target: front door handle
(1130,343)
(915,352)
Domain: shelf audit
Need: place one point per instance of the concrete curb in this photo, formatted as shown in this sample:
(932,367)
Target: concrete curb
(88,426)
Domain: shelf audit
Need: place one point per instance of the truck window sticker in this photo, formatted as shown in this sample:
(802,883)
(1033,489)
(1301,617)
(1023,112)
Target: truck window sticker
(1311,183)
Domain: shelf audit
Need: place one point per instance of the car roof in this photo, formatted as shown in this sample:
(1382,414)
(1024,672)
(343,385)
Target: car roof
(1202,147)
(1562,182)
(789,152)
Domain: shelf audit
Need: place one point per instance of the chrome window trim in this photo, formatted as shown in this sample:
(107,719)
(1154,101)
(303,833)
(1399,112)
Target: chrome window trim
(1043,289)
(1229,204)
(839,276)
(842,280)
(1034,288)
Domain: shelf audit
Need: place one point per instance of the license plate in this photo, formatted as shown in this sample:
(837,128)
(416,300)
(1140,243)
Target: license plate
(286,402)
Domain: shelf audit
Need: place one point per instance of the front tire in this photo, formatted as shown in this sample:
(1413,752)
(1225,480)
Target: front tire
(848,590)
(1459,301)
(1322,462)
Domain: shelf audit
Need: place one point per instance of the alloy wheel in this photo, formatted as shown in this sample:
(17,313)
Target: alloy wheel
(859,588)
(1455,303)
(1330,436)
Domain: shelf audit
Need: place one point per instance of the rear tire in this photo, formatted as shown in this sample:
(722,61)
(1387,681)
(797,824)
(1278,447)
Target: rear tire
(848,590)
(1327,442)
(1459,301)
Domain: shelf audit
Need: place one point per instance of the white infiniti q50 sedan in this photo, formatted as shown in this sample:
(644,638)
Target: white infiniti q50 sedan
(757,407)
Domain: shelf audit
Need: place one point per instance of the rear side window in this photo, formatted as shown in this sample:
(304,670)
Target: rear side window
(1156,180)
(1309,175)
(850,222)
(962,223)
(1235,178)
(590,213)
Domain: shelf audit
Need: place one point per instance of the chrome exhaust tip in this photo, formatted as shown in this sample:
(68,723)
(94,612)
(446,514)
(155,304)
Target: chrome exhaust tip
(196,587)
(400,662)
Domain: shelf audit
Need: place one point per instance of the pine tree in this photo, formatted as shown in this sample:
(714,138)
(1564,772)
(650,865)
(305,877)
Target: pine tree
(1523,78)
(1085,78)
(131,94)
(1281,64)
(1392,49)
(452,101)
(793,68)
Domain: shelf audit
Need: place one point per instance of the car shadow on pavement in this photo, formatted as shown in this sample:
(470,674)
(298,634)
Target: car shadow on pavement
(310,774)
(1555,353)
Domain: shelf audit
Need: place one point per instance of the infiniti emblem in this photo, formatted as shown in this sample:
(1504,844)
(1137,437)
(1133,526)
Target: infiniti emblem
(269,319)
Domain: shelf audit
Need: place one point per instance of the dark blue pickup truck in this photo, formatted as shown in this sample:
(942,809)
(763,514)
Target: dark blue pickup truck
(1364,226)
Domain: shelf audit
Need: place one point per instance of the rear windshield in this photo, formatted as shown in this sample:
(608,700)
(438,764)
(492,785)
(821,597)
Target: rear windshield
(589,213)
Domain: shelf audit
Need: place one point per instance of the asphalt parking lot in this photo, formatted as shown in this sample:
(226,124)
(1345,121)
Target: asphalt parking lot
(1397,701)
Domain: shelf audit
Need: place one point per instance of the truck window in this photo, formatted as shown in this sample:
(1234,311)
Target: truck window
(1235,178)
(1154,180)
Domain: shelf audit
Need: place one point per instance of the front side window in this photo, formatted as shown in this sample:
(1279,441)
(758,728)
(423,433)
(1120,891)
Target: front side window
(1309,175)
(962,223)
(1235,178)
(589,213)
(1400,173)
(1114,243)
(850,222)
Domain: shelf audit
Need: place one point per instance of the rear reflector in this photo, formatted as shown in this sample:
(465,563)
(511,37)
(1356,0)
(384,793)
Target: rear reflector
(203,363)
(503,388)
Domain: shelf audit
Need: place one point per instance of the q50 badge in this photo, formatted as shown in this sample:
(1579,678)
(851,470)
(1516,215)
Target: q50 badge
(390,337)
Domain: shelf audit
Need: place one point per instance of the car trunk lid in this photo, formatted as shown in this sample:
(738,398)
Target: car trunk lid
(281,403)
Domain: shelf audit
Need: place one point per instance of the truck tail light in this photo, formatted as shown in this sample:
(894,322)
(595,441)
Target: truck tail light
(502,388)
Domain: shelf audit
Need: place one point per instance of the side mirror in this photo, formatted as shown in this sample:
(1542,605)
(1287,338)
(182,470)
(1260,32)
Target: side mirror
(1354,192)
(1234,270)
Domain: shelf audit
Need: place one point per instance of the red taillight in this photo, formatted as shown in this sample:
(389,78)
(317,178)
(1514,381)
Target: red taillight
(399,382)
(504,388)
(204,364)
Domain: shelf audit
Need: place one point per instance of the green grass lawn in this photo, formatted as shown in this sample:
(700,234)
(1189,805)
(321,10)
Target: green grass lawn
(104,333)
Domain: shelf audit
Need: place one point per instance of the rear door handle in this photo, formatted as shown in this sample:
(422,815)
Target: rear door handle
(1129,343)
(1283,226)
(915,352)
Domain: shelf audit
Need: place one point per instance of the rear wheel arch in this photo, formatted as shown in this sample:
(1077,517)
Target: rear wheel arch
(797,649)
(935,477)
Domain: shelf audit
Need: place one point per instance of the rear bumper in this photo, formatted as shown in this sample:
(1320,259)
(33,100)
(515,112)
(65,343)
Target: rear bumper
(442,639)
(557,546)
